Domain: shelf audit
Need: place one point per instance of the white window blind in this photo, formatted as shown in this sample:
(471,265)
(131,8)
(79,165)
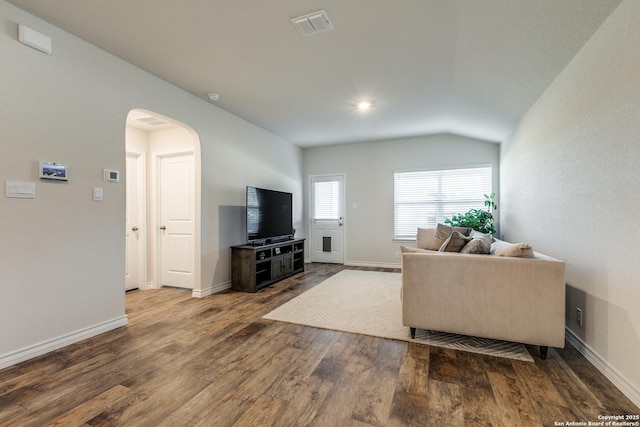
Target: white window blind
(326,202)
(425,198)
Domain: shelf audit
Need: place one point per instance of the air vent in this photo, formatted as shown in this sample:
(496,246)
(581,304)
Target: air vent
(151,121)
(312,23)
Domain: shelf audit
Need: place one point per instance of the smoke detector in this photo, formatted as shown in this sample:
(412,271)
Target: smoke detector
(312,23)
(214,96)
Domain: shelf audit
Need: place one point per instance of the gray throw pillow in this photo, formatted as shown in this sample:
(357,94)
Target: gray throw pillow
(475,246)
(481,243)
(454,243)
(443,232)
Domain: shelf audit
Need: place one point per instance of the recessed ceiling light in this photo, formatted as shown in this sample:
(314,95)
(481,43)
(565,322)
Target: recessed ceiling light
(364,105)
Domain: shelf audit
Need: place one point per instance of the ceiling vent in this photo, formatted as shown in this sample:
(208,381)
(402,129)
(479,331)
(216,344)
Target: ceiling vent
(312,23)
(151,121)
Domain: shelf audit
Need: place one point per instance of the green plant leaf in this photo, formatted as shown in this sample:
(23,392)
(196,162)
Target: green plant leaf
(477,219)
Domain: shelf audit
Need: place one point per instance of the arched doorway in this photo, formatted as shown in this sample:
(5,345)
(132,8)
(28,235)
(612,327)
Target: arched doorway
(163,203)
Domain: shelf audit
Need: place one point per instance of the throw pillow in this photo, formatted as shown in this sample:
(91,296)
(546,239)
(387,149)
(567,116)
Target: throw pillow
(422,240)
(498,244)
(481,243)
(454,243)
(475,246)
(443,232)
(522,250)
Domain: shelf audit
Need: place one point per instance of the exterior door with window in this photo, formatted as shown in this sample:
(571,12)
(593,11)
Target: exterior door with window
(327,219)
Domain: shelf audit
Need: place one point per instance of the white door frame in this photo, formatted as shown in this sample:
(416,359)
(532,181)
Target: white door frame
(156,234)
(343,227)
(189,142)
(141,202)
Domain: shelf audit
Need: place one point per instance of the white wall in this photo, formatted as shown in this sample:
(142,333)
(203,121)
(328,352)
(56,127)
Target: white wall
(369,168)
(570,187)
(62,254)
(137,139)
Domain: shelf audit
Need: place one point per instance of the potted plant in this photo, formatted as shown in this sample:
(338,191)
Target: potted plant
(478,219)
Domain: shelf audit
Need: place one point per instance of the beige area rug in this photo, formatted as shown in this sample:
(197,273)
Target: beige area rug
(368,303)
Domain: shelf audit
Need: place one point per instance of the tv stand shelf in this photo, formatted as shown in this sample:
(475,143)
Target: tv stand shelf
(255,267)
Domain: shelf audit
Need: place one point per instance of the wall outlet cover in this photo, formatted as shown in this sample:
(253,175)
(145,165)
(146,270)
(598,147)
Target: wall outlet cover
(579,316)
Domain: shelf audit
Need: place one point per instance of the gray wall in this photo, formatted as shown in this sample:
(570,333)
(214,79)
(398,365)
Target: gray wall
(570,184)
(62,254)
(368,169)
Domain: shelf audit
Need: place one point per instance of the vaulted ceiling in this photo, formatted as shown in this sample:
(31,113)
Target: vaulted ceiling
(469,67)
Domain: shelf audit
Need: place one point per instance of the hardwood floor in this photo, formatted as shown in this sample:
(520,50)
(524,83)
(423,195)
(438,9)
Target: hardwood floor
(215,362)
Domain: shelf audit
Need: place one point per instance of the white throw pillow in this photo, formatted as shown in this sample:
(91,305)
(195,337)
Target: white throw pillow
(521,250)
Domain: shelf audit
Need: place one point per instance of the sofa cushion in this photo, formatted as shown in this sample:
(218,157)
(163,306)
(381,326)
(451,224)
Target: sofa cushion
(481,243)
(454,243)
(424,239)
(522,250)
(443,232)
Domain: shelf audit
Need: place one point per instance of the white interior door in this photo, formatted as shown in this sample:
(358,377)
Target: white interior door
(135,225)
(176,220)
(327,219)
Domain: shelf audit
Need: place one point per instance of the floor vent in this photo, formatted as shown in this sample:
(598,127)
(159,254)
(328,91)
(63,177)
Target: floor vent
(312,23)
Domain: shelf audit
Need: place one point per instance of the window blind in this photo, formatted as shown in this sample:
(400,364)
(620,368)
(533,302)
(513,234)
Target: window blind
(326,203)
(423,199)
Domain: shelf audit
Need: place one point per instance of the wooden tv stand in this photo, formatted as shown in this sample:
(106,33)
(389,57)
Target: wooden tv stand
(255,267)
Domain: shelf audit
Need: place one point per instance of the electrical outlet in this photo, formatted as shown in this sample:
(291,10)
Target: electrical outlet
(397,254)
(579,316)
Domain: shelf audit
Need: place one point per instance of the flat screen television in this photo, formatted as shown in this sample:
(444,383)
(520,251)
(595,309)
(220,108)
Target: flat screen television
(269,215)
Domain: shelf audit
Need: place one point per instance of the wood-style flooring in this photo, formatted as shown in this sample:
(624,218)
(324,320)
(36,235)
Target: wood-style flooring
(214,361)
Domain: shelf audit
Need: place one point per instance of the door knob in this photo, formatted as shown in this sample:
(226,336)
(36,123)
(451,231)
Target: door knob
(164,227)
(134,228)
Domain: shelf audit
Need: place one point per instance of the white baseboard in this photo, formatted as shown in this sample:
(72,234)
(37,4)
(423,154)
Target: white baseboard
(372,264)
(619,380)
(200,293)
(34,350)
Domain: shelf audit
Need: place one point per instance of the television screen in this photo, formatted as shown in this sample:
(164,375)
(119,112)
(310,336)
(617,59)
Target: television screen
(269,214)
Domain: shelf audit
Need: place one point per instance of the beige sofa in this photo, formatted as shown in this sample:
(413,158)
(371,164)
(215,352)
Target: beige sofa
(506,298)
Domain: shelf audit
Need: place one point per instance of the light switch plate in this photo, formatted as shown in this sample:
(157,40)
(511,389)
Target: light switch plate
(98,194)
(21,190)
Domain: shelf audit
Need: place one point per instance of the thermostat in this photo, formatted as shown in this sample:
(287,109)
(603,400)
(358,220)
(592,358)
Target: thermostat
(53,171)
(111,175)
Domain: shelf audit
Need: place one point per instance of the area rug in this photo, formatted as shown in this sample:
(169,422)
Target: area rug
(368,303)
